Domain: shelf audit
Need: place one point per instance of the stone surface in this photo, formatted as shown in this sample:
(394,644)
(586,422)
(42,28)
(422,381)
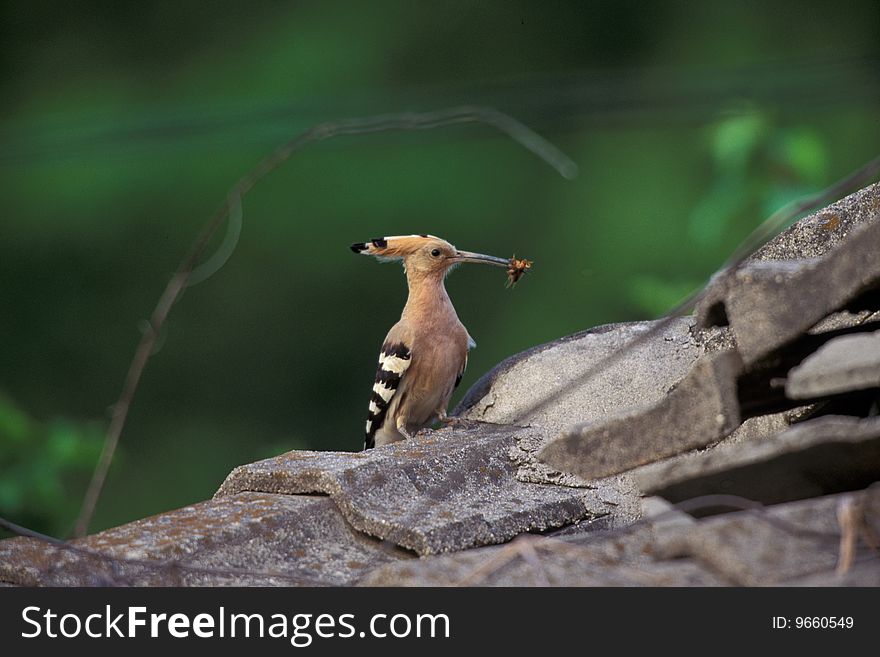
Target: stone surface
(845,319)
(815,235)
(764,313)
(541,562)
(619,492)
(580,378)
(865,573)
(701,409)
(850,362)
(778,544)
(249,538)
(761,387)
(450,490)
(795,543)
(669,529)
(825,455)
(759,428)
(568,381)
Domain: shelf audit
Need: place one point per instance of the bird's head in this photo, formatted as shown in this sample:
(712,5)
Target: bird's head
(423,254)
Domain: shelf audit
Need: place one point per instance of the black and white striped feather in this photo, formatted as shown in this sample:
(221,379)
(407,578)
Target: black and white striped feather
(394,359)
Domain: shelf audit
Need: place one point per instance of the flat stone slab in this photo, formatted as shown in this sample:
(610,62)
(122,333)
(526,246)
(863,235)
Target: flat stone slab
(452,489)
(818,233)
(813,458)
(241,540)
(770,303)
(795,543)
(844,364)
(758,428)
(701,409)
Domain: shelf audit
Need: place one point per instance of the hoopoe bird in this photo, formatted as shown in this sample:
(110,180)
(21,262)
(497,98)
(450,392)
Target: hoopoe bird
(425,354)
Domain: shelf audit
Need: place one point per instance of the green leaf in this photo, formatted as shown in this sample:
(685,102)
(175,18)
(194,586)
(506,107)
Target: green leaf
(802,150)
(14,424)
(736,139)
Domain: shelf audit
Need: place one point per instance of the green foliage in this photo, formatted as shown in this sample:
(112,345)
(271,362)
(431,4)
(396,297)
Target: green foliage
(757,167)
(43,468)
(734,141)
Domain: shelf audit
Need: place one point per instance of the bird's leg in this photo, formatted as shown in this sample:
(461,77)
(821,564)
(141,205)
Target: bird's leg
(441,417)
(401,427)
(448,421)
(453,421)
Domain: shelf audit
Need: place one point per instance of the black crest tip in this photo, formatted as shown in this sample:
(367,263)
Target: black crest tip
(379,242)
(358,247)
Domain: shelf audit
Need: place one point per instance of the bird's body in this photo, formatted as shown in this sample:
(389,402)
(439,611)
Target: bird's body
(424,355)
(437,344)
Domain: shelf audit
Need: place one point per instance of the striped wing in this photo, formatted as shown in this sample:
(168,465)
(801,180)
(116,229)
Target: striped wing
(394,359)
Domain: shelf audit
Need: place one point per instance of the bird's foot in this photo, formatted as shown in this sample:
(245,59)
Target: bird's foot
(459,422)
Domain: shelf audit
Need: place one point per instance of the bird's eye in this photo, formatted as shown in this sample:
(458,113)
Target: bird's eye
(435,252)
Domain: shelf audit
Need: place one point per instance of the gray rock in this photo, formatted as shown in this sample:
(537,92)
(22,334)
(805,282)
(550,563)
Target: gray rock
(536,561)
(771,303)
(850,362)
(759,428)
(796,543)
(777,544)
(579,378)
(817,457)
(450,490)
(866,573)
(565,382)
(701,409)
(845,319)
(670,528)
(245,539)
(815,235)
(619,492)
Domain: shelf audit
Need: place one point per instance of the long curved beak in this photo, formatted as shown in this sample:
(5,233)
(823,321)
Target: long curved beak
(467,256)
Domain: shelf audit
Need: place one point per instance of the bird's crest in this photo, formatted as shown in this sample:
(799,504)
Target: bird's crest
(396,246)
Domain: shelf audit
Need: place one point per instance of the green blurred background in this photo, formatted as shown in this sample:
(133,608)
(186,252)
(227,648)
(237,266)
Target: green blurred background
(124,124)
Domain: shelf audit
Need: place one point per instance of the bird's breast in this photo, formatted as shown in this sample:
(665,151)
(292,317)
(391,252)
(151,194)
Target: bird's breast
(436,363)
